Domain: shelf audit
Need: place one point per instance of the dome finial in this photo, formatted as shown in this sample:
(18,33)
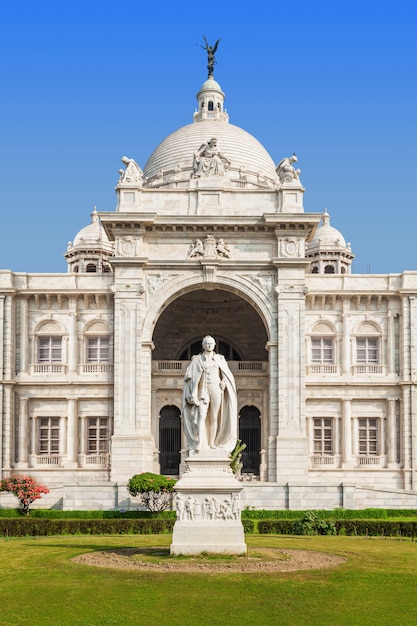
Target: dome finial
(325,217)
(211,50)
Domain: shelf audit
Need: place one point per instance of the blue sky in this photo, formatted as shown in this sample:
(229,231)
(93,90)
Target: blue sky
(84,83)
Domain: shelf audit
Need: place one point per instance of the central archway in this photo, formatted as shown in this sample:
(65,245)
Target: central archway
(232,321)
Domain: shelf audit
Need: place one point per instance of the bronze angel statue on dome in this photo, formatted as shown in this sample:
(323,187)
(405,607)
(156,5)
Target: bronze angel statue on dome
(211,51)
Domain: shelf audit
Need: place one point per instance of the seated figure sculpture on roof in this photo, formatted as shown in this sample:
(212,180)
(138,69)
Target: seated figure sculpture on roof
(132,173)
(208,161)
(286,171)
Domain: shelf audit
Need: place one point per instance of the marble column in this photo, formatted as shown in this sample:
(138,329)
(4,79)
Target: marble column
(23,433)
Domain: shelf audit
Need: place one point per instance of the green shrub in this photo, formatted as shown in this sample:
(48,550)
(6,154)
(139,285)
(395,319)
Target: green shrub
(313,524)
(154,490)
(248,525)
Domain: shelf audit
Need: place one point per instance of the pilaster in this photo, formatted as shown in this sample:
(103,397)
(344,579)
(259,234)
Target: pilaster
(292,442)
(347,434)
(131,444)
(72,433)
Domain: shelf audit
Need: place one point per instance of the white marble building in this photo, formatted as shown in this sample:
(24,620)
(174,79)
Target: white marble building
(211,237)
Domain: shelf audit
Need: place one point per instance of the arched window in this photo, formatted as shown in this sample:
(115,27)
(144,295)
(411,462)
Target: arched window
(368,348)
(49,347)
(322,349)
(250,433)
(170,440)
(329,269)
(315,270)
(91,267)
(210,105)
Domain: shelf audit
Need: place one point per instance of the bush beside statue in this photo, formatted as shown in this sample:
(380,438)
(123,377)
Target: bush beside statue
(154,490)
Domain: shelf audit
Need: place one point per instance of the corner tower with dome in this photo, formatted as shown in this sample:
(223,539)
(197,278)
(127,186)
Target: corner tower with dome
(211,238)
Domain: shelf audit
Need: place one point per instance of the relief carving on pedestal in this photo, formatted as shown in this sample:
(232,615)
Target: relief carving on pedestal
(208,508)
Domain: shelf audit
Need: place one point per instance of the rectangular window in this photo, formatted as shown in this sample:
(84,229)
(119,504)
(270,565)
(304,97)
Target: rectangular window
(98,350)
(323,435)
(48,435)
(368,436)
(367,350)
(98,435)
(322,350)
(49,349)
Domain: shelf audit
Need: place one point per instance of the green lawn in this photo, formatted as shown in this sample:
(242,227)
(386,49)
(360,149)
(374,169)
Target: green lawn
(40,585)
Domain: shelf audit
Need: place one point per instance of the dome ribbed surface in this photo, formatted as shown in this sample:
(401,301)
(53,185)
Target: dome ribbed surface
(241,148)
(328,238)
(92,235)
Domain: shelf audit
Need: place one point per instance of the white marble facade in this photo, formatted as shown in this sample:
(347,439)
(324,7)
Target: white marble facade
(92,361)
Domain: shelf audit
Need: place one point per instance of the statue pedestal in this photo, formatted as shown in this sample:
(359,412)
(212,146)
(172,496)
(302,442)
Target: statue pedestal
(208,507)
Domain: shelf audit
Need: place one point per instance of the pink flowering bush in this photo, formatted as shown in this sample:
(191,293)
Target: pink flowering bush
(25,488)
(154,490)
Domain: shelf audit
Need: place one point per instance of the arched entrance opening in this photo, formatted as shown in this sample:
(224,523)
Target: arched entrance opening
(231,320)
(170,440)
(250,433)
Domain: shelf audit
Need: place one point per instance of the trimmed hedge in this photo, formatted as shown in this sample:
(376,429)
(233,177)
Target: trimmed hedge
(40,527)
(335,514)
(371,528)
(377,528)
(275,526)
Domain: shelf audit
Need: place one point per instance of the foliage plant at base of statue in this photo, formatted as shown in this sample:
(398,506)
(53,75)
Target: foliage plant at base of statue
(25,488)
(236,457)
(153,490)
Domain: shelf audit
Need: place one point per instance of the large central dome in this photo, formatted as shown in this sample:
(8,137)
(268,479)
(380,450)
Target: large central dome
(248,163)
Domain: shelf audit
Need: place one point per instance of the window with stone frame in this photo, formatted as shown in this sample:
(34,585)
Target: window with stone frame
(323,436)
(322,350)
(48,435)
(368,436)
(49,349)
(367,350)
(98,349)
(98,435)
